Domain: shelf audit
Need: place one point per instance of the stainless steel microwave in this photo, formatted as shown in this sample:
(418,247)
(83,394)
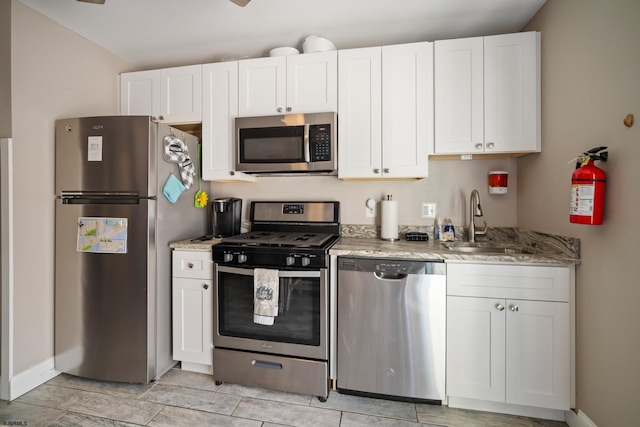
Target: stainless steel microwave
(293,143)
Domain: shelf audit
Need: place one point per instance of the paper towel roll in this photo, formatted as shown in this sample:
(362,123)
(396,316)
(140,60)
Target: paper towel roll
(389,220)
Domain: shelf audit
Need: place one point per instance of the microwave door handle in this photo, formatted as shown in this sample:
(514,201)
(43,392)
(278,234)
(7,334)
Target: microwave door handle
(307,154)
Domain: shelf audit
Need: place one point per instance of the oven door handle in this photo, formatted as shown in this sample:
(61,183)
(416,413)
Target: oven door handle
(281,273)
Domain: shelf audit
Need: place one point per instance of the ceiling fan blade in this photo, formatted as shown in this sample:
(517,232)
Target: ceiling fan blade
(241,3)
(92,1)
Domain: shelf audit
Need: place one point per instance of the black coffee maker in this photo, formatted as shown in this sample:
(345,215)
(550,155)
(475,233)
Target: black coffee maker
(226,215)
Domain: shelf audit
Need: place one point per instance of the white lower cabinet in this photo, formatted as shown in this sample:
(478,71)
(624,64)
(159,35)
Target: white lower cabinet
(192,302)
(510,336)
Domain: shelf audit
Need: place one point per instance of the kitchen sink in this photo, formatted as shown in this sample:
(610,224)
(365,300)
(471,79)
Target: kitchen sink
(484,248)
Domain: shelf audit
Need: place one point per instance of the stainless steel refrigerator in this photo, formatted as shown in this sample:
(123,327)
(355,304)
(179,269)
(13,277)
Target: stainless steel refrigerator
(114,224)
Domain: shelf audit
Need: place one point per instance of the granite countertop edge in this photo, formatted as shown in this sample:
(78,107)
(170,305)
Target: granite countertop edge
(402,249)
(363,242)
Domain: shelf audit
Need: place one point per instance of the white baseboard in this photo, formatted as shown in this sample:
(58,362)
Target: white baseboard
(197,367)
(579,420)
(31,378)
(507,408)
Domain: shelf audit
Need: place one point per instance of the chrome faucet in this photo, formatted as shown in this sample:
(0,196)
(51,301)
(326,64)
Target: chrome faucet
(475,210)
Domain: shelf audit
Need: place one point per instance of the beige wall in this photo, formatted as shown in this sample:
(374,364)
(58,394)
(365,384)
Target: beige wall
(449,185)
(590,82)
(55,74)
(5,69)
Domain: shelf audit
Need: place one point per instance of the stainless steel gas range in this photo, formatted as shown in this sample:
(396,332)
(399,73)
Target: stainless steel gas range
(288,245)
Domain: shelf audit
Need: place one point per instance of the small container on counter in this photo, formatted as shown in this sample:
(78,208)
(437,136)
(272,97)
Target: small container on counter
(448,232)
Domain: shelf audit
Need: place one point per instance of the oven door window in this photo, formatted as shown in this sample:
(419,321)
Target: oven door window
(299,307)
(283,144)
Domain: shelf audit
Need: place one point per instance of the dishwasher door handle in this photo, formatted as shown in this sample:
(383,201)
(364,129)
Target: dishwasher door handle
(390,276)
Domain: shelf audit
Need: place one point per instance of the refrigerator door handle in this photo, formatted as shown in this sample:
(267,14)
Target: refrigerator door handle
(78,197)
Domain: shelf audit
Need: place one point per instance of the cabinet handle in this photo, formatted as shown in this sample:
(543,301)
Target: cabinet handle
(478,146)
(489,144)
(514,308)
(190,265)
(500,307)
(386,170)
(160,117)
(376,170)
(288,108)
(280,110)
(232,173)
(205,286)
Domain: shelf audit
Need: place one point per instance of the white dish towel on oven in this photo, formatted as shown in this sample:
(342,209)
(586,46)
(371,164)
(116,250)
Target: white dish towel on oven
(266,287)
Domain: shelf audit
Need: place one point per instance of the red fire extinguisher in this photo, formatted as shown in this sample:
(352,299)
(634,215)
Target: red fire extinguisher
(588,184)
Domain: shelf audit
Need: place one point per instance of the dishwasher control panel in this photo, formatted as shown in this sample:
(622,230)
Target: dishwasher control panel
(392,266)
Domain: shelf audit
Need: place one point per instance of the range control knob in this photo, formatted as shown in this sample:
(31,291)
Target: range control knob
(305,261)
(242,258)
(228,257)
(290,260)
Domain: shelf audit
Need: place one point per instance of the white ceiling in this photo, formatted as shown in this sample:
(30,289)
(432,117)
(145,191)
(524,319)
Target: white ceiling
(162,33)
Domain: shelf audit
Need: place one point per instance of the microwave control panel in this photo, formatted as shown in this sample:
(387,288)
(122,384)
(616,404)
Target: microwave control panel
(320,142)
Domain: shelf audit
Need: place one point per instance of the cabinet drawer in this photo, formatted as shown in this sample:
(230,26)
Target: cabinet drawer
(192,264)
(543,283)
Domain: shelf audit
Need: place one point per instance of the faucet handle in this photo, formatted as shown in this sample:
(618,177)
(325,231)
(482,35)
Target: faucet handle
(482,232)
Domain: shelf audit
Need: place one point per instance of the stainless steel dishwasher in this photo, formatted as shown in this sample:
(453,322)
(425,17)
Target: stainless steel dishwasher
(391,328)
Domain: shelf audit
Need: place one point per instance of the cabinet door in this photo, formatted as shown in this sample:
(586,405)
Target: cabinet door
(219,110)
(476,348)
(181,94)
(140,93)
(407,111)
(360,113)
(192,301)
(312,82)
(459,105)
(512,92)
(262,86)
(538,353)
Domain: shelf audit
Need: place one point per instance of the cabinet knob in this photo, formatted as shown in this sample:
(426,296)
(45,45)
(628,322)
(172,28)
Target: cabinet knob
(190,265)
(280,110)
(386,170)
(490,144)
(514,308)
(288,108)
(478,146)
(160,117)
(376,170)
(232,173)
(500,307)
(205,286)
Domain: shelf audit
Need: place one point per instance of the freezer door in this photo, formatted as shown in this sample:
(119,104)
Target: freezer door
(103,154)
(104,315)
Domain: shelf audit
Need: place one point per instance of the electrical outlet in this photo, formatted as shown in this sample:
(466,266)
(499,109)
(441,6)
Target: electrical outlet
(428,210)
(370,211)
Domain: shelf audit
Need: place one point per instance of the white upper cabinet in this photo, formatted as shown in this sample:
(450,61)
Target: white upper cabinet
(385,108)
(360,113)
(487,94)
(140,93)
(288,84)
(219,110)
(170,95)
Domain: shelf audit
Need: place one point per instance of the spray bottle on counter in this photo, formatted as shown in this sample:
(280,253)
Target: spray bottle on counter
(437,229)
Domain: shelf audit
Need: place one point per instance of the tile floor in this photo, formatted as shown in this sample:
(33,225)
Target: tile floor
(182,398)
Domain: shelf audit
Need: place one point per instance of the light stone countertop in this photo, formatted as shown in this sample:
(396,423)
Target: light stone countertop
(430,250)
(204,245)
(363,242)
